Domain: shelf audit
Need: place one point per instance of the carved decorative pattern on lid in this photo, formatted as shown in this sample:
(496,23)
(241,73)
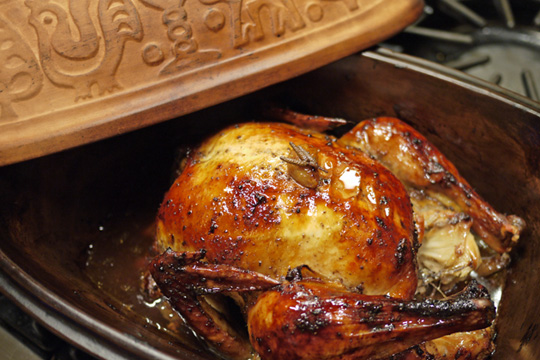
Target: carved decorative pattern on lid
(75,71)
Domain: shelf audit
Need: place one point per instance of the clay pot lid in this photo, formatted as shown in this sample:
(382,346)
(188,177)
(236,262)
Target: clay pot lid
(79,72)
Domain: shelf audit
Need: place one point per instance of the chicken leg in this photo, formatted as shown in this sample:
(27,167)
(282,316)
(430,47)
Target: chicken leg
(418,164)
(310,318)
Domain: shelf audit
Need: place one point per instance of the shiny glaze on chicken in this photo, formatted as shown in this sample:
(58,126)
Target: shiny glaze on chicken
(236,200)
(316,242)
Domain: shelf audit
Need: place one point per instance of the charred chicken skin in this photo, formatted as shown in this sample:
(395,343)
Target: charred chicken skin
(316,241)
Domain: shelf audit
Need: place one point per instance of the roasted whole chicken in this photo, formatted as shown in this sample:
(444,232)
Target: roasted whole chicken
(330,247)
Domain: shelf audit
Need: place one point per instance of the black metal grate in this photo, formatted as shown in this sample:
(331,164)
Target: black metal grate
(495,40)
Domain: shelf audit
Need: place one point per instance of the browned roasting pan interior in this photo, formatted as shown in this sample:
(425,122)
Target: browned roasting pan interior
(75,226)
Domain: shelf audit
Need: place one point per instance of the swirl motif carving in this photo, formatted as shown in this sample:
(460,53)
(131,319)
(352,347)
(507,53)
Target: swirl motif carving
(20,76)
(245,17)
(185,48)
(59,50)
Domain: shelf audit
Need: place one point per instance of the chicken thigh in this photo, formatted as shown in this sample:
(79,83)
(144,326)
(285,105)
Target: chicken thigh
(313,239)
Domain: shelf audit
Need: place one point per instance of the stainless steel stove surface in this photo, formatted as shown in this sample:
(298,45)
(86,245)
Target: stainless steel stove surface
(13,348)
(495,40)
(22,338)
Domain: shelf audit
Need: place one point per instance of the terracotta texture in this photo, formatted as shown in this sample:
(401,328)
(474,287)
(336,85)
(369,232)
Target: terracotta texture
(77,71)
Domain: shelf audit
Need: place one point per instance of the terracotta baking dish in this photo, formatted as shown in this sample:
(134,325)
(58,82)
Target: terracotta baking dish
(75,226)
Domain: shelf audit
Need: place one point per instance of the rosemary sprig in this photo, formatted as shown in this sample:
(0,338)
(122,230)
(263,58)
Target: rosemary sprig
(304,158)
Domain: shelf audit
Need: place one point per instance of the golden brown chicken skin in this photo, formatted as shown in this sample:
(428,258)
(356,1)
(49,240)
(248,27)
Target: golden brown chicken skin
(236,199)
(315,242)
(309,319)
(418,164)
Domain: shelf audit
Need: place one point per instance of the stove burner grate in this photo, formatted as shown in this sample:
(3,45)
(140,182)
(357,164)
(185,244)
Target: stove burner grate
(498,41)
